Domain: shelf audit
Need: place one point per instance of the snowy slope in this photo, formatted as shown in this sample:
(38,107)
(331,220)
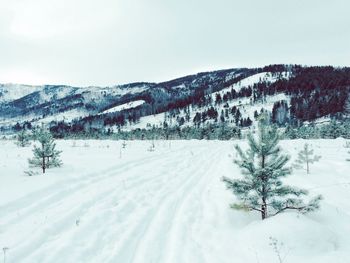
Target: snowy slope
(19,103)
(125,106)
(251,80)
(35,104)
(108,205)
(66,116)
(245,106)
(10,92)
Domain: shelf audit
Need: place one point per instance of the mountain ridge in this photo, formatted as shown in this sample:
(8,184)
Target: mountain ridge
(223,91)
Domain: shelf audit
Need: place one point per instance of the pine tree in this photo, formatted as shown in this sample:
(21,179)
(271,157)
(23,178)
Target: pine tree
(45,155)
(152,147)
(23,139)
(263,167)
(124,144)
(307,157)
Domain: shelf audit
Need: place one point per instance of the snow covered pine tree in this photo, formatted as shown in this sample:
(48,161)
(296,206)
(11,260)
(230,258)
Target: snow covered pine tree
(23,139)
(261,188)
(307,157)
(45,155)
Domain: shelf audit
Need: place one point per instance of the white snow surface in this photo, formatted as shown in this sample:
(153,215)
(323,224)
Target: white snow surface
(254,79)
(67,116)
(16,91)
(125,106)
(108,204)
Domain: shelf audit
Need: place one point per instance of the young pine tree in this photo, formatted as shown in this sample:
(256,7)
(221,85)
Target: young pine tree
(124,144)
(263,167)
(23,139)
(347,146)
(306,157)
(45,155)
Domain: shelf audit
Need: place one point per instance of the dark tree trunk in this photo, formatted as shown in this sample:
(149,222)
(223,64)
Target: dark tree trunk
(263,209)
(264,205)
(44,165)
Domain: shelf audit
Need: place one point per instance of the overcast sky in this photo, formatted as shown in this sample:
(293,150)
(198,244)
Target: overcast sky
(107,42)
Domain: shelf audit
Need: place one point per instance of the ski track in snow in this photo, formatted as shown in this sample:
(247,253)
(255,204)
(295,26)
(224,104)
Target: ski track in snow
(161,197)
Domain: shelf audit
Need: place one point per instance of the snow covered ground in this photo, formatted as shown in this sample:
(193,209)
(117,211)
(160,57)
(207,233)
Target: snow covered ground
(125,106)
(107,204)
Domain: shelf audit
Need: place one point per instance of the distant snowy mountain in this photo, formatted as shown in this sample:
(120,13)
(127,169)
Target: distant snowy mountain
(233,96)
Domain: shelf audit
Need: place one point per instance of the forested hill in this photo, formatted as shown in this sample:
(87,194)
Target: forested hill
(290,94)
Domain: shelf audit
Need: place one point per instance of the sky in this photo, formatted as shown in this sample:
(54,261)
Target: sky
(109,42)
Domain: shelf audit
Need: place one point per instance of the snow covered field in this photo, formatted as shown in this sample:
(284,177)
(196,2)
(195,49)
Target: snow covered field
(170,205)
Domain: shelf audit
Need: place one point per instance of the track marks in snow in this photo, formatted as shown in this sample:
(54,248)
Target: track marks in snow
(120,214)
(147,238)
(52,211)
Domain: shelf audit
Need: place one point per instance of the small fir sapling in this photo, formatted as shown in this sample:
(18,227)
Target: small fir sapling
(124,144)
(45,154)
(152,147)
(306,157)
(347,146)
(263,166)
(23,139)
(4,250)
(278,248)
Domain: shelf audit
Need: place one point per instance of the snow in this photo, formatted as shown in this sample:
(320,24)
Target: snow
(125,106)
(147,122)
(245,104)
(10,92)
(66,116)
(93,91)
(107,204)
(251,80)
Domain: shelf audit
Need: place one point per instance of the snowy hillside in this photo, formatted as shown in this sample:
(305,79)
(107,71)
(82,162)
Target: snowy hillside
(246,105)
(125,106)
(108,204)
(254,79)
(43,104)
(10,92)
(290,94)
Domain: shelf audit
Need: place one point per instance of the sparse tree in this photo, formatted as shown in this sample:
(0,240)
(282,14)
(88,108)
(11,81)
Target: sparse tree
(4,250)
(152,147)
(45,155)
(261,188)
(278,248)
(23,139)
(347,146)
(124,144)
(306,157)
